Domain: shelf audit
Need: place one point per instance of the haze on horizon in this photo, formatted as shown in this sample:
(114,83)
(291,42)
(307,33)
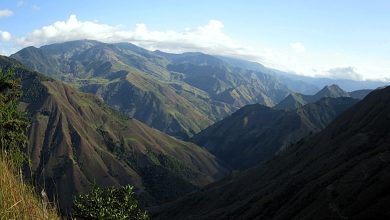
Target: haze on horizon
(333,39)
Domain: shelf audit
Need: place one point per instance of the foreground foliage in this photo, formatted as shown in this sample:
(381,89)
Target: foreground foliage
(108,203)
(17,199)
(13,122)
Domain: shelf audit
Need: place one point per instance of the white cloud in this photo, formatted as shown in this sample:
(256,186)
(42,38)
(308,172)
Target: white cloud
(5,36)
(5,13)
(344,73)
(298,47)
(210,38)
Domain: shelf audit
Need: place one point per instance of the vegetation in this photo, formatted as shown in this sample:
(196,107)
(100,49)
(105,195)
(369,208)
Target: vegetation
(13,122)
(109,203)
(17,200)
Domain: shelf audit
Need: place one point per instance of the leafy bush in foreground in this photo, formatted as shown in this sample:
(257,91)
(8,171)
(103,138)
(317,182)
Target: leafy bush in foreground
(108,203)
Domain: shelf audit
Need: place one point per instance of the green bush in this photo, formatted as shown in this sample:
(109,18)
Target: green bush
(108,203)
(13,121)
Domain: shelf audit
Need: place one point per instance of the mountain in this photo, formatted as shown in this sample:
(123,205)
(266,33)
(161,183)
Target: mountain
(293,84)
(360,94)
(77,141)
(346,84)
(331,91)
(296,100)
(118,74)
(305,84)
(343,172)
(179,94)
(225,82)
(255,132)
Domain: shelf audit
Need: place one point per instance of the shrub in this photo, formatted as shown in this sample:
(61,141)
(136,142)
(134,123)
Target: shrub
(13,121)
(108,203)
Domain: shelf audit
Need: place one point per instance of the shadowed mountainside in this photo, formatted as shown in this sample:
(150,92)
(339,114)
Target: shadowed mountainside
(255,132)
(296,100)
(343,172)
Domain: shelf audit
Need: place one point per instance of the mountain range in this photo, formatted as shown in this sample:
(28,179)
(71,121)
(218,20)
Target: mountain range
(76,141)
(340,173)
(202,136)
(255,132)
(179,94)
(295,100)
(305,84)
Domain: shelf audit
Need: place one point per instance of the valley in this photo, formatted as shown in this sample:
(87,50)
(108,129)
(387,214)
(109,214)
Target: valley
(197,135)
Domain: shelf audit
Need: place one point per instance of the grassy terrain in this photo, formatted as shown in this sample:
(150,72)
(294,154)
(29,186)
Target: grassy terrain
(18,200)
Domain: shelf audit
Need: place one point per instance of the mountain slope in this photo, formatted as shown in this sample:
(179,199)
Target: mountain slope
(296,85)
(296,100)
(126,77)
(225,82)
(255,132)
(360,94)
(343,172)
(76,141)
(179,94)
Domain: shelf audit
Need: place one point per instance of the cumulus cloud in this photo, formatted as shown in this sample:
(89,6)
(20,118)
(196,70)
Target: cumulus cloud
(298,47)
(5,36)
(5,13)
(344,73)
(208,38)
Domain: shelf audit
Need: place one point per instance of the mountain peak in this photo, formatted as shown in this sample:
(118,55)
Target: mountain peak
(331,91)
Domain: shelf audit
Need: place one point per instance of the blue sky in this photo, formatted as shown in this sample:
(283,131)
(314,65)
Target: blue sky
(340,39)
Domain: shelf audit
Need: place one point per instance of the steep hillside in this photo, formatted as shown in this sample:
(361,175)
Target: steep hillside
(153,103)
(255,132)
(76,141)
(179,94)
(296,85)
(225,82)
(343,172)
(125,77)
(360,94)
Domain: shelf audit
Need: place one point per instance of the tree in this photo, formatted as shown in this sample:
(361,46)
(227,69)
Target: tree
(13,121)
(108,203)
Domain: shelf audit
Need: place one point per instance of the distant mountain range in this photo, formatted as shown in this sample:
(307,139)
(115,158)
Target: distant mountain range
(304,84)
(77,141)
(340,173)
(266,144)
(179,94)
(255,133)
(296,100)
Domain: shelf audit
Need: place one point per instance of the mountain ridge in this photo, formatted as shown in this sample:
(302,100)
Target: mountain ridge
(255,133)
(341,172)
(196,89)
(77,141)
(296,100)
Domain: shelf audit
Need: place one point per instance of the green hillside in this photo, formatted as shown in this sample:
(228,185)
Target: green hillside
(179,94)
(76,141)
